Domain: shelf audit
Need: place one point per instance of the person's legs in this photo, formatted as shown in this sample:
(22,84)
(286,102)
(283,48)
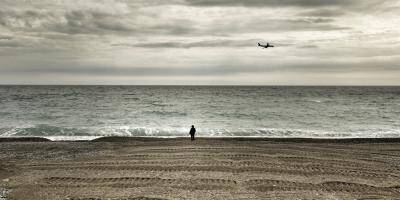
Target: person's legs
(191,136)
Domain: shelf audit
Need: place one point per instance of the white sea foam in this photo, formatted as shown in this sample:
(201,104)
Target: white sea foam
(53,133)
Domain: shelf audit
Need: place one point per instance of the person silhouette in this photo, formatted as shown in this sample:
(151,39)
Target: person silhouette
(192,132)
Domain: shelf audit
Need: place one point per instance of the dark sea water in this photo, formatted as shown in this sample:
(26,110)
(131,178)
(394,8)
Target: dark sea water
(83,112)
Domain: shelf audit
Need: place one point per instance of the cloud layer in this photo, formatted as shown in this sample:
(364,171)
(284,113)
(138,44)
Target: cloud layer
(198,41)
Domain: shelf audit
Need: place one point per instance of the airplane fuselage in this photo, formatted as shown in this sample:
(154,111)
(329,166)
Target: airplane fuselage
(265,46)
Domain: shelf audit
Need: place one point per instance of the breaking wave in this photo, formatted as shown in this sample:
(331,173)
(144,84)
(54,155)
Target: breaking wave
(57,133)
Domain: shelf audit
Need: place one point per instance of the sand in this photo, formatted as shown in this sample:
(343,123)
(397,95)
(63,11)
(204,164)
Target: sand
(144,168)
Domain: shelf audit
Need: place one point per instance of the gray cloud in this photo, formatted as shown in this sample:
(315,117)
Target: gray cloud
(72,38)
(322,8)
(221,43)
(309,46)
(108,22)
(10,44)
(14,42)
(276,25)
(70,22)
(220,70)
(271,3)
(88,22)
(6,37)
(18,19)
(123,71)
(323,13)
(199,44)
(85,22)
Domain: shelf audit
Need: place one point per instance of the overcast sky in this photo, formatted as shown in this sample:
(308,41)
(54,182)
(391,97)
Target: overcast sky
(317,42)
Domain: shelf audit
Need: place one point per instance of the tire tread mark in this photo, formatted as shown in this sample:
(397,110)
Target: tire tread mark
(129,182)
(266,185)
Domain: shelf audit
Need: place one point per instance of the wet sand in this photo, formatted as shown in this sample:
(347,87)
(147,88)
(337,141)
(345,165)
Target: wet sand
(239,168)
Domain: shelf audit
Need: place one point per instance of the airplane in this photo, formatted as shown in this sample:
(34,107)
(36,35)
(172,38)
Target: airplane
(265,46)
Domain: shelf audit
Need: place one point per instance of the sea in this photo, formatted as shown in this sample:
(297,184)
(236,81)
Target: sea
(88,112)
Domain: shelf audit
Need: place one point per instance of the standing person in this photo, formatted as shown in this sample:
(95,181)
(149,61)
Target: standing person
(192,132)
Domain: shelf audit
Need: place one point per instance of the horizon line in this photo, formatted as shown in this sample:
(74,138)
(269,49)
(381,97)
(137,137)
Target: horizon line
(244,85)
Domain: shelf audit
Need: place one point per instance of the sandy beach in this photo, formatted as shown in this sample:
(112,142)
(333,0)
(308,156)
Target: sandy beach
(229,168)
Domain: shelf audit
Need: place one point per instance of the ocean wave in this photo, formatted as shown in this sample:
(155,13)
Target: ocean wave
(42,130)
(316,100)
(90,132)
(132,98)
(165,113)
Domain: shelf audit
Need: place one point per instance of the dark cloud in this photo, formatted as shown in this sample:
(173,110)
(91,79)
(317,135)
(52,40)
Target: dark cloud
(275,25)
(6,37)
(271,3)
(69,22)
(323,13)
(175,27)
(11,44)
(333,8)
(104,22)
(87,22)
(26,19)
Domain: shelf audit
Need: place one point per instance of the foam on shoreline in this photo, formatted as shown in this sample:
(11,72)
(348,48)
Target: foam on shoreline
(128,139)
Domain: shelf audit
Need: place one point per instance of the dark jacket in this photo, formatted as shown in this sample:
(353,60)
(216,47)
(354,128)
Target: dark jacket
(192,131)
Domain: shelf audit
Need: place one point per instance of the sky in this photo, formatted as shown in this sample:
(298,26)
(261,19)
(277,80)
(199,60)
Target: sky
(200,42)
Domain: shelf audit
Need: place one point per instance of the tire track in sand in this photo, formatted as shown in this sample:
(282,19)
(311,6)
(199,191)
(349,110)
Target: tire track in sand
(266,185)
(130,182)
(128,198)
(227,167)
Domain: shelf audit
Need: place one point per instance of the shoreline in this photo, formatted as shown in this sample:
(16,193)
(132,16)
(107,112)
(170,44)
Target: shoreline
(239,138)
